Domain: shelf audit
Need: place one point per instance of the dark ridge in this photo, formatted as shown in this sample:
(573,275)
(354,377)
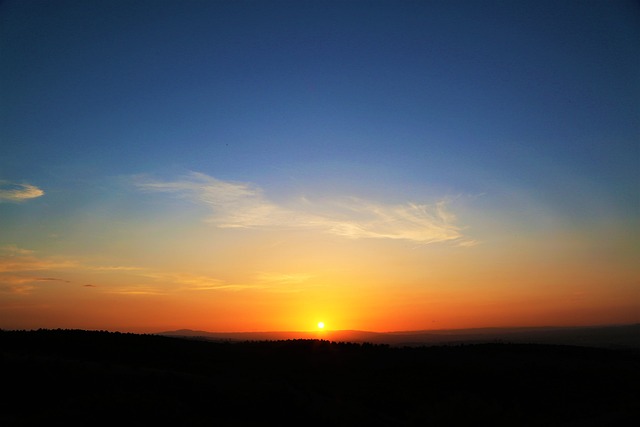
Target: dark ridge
(76,377)
(609,336)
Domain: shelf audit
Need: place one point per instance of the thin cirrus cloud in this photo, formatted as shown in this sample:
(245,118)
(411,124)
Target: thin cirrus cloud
(16,259)
(11,192)
(14,284)
(282,278)
(18,264)
(241,205)
(13,259)
(194,282)
(186,281)
(18,267)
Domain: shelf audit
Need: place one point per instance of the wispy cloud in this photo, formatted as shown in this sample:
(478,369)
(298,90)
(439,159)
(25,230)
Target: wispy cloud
(14,259)
(283,282)
(268,282)
(12,192)
(242,205)
(9,285)
(23,284)
(135,290)
(282,278)
(188,281)
(233,204)
(113,268)
(195,282)
(51,279)
(14,250)
(357,218)
(468,243)
(17,267)
(22,279)
(22,269)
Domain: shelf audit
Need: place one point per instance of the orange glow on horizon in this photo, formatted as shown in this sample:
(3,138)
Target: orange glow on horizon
(436,287)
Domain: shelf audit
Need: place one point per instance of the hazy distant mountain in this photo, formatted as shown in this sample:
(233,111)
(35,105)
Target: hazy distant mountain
(617,336)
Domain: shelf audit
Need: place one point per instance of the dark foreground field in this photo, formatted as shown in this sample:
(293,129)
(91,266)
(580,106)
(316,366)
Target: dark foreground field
(71,377)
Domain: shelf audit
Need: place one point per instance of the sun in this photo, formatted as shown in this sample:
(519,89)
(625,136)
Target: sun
(320,325)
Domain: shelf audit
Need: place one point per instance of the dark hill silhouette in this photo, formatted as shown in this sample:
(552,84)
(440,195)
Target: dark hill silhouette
(612,336)
(75,377)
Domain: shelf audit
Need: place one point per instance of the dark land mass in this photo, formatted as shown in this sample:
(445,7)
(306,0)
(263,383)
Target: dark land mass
(76,377)
(611,336)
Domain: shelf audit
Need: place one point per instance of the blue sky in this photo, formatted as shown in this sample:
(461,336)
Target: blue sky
(521,117)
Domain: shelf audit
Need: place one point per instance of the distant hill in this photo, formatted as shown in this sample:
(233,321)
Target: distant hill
(80,378)
(617,336)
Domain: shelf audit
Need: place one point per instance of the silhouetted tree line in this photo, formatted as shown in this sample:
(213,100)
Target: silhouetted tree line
(77,377)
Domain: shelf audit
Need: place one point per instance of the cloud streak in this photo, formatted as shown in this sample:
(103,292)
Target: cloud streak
(11,192)
(18,267)
(242,205)
(16,263)
(21,269)
(21,284)
(193,282)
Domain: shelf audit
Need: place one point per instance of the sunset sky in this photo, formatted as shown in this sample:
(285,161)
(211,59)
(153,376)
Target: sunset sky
(267,165)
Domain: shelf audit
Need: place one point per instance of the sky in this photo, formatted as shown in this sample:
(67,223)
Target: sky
(267,165)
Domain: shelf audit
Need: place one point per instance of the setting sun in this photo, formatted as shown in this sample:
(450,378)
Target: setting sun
(321,325)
